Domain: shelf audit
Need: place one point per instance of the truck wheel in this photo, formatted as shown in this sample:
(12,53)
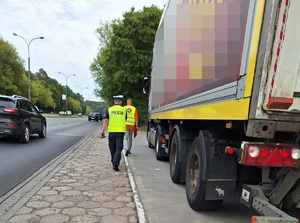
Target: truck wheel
(157,145)
(25,136)
(160,154)
(174,160)
(194,183)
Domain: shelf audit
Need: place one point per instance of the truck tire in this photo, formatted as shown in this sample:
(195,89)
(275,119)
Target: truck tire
(194,183)
(174,160)
(160,154)
(25,136)
(148,129)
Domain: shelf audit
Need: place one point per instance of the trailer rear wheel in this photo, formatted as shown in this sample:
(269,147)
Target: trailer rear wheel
(160,153)
(174,160)
(194,183)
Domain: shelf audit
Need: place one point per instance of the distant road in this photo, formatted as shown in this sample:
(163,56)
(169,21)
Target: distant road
(18,161)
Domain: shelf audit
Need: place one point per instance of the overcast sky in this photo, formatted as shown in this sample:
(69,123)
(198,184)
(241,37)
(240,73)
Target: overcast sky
(68,27)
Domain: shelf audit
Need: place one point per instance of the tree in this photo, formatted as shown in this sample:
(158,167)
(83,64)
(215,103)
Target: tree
(13,79)
(40,95)
(125,56)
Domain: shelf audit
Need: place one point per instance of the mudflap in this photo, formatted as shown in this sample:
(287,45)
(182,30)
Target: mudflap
(216,190)
(220,171)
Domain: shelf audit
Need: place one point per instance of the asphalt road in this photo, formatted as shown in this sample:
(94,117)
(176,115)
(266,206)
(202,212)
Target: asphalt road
(166,202)
(18,161)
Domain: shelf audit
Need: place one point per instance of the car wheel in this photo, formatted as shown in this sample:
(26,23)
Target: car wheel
(43,132)
(25,136)
(89,119)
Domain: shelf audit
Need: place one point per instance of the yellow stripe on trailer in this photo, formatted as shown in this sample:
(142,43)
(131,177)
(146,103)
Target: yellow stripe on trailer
(229,110)
(254,46)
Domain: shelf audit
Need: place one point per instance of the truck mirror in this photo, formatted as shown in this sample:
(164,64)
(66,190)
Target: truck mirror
(146,86)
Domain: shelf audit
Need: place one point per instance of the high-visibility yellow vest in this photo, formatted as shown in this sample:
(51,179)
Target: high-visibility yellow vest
(130,115)
(116,122)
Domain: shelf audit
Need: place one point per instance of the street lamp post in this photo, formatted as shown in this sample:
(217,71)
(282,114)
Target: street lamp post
(28,44)
(67,87)
(81,96)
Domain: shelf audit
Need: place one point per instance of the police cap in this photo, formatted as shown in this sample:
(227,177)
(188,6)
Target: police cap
(118,97)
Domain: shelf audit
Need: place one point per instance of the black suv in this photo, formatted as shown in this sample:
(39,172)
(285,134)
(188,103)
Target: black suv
(20,118)
(95,116)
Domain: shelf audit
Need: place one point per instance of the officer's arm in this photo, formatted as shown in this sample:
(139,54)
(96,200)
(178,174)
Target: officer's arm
(103,127)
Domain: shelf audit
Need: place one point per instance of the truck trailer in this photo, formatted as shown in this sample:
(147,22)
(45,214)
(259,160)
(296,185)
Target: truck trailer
(224,102)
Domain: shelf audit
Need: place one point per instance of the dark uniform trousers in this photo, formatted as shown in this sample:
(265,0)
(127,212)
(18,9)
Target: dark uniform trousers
(115,141)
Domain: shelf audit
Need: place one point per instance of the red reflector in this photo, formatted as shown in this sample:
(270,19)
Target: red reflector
(285,153)
(264,153)
(163,140)
(10,125)
(10,110)
(280,102)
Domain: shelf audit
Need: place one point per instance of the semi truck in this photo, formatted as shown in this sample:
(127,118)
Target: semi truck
(224,102)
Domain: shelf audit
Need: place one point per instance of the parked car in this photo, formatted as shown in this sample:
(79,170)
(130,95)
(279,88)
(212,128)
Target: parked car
(95,116)
(61,113)
(79,114)
(69,113)
(19,118)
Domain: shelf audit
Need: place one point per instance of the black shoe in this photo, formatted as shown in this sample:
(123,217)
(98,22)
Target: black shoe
(116,168)
(126,154)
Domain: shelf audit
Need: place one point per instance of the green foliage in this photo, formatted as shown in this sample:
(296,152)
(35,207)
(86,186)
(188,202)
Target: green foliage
(40,95)
(125,56)
(12,73)
(74,105)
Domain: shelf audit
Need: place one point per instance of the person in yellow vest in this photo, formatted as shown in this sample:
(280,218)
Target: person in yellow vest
(131,124)
(115,118)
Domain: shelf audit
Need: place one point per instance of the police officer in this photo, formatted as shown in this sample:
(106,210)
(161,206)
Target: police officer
(115,118)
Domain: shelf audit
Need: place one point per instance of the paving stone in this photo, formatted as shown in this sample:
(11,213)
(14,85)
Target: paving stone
(74,211)
(125,211)
(89,204)
(70,193)
(102,198)
(100,211)
(124,199)
(84,188)
(57,218)
(92,193)
(63,188)
(38,204)
(54,198)
(113,219)
(112,204)
(48,211)
(63,204)
(86,219)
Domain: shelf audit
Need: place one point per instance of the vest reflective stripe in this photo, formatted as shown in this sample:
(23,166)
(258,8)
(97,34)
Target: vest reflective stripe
(130,115)
(116,122)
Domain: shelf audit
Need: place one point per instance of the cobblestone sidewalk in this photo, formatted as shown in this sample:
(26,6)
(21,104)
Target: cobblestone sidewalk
(85,190)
